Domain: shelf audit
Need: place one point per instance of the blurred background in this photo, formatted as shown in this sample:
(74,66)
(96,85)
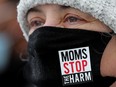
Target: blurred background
(12,46)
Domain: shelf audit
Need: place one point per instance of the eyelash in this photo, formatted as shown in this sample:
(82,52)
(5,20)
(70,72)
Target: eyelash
(36,22)
(68,19)
(72,19)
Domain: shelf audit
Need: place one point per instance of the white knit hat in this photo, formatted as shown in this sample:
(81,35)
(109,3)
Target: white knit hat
(104,10)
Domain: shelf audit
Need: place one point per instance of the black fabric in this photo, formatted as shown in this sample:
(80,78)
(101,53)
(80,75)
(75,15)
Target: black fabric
(13,75)
(44,66)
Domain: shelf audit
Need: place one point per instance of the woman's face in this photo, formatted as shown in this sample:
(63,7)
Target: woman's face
(62,16)
(67,17)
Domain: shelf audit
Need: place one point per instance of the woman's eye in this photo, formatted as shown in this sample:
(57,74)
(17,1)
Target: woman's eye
(72,19)
(36,22)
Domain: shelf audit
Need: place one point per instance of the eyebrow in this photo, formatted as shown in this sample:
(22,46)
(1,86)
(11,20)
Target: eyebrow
(64,7)
(38,10)
(33,10)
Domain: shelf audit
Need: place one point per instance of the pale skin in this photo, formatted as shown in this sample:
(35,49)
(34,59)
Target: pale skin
(67,17)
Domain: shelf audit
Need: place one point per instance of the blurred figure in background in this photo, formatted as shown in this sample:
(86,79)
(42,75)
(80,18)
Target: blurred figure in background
(12,46)
(5,51)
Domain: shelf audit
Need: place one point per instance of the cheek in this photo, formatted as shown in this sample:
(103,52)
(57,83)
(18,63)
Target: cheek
(99,26)
(75,25)
(95,26)
(31,31)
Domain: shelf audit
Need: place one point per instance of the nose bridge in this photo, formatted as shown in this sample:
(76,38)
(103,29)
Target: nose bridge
(52,19)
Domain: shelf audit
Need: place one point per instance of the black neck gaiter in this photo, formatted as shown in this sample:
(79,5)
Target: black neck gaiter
(66,57)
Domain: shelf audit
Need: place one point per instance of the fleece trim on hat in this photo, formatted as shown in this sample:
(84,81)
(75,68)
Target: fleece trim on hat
(104,10)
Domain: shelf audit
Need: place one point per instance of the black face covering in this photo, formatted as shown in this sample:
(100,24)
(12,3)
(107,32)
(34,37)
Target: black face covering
(66,57)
